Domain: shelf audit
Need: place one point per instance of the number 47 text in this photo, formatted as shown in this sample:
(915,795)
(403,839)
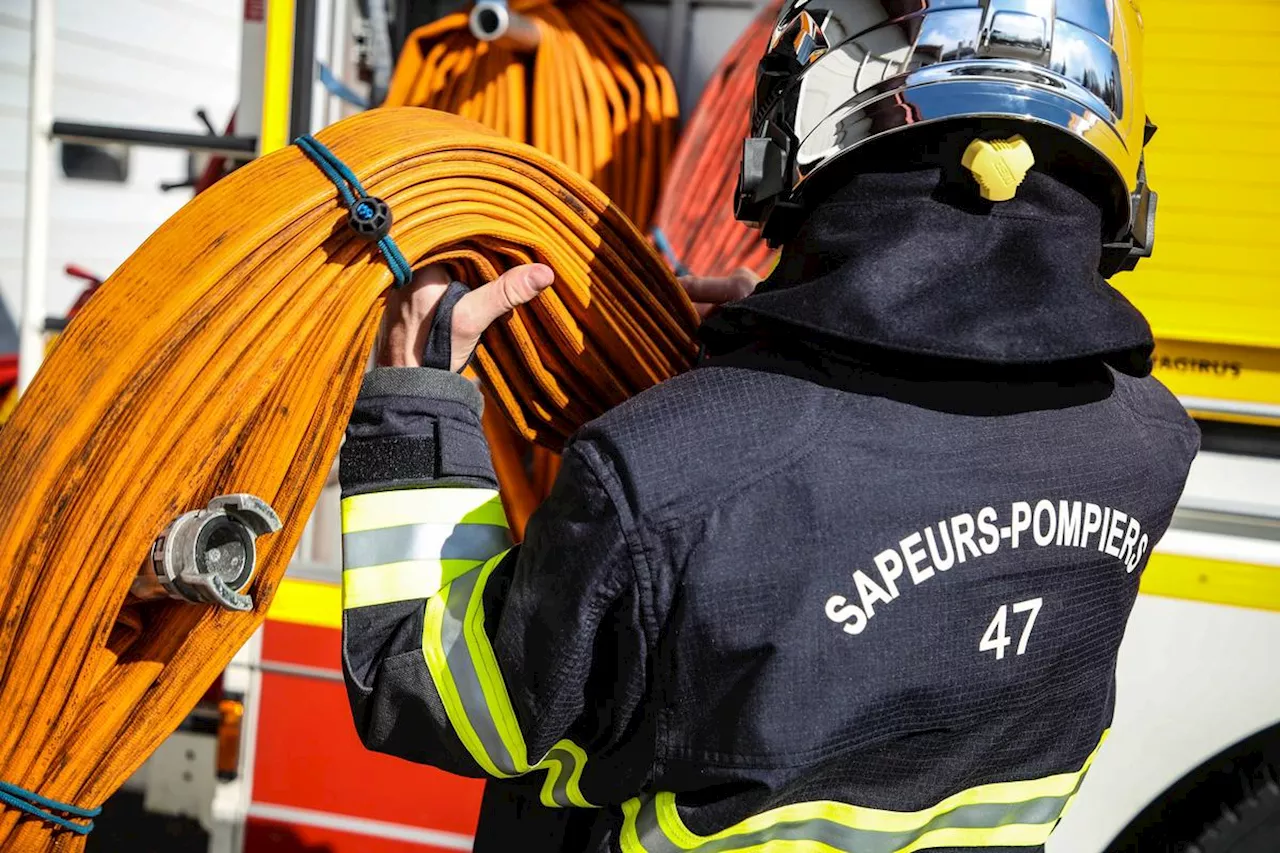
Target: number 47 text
(996,637)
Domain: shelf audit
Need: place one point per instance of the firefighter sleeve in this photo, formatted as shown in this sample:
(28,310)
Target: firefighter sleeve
(459,650)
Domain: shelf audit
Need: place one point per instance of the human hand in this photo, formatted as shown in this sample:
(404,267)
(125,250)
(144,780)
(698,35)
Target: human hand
(411,309)
(709,293)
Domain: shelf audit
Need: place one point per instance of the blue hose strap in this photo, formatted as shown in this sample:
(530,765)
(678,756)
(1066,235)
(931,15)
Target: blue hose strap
(45,808)
(664,246)
(368,216)
(339,89)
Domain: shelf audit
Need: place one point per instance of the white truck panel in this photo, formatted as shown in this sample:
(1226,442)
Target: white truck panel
(1193,679)
(132,62)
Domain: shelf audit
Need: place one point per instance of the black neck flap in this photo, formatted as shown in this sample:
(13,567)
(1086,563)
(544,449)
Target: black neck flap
(899,263)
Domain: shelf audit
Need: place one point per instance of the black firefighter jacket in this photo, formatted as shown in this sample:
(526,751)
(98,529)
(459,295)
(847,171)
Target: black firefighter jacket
(856,583)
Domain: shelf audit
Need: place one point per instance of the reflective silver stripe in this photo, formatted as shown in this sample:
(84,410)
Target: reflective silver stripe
(568,769)
(465,677)
(423,542)
(651,836)
(463,665)
(1040,811)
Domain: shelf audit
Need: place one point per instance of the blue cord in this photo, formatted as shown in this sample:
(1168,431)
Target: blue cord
(323,158)
(364,208)
(339,89)
(399,266)
(31,802)
(664,246)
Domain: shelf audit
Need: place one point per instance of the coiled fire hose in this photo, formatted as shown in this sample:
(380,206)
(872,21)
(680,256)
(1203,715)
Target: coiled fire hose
(583,85)
(577,80)
(223,358)
(694,222)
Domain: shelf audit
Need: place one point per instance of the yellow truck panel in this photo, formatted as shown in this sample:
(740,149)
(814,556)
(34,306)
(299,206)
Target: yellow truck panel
(1212,289)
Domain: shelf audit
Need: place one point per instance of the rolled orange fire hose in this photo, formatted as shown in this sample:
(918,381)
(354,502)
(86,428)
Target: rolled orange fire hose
(696,209)
(224,356)
(592,94)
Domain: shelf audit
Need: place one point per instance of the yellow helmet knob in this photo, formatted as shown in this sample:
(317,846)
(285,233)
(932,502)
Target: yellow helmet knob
(999,166)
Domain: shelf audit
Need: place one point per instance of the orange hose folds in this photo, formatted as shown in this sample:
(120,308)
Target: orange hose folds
(696,209)
(225,356)
(593,94)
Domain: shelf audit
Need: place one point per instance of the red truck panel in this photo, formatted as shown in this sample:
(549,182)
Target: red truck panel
(308,755)
(309,645)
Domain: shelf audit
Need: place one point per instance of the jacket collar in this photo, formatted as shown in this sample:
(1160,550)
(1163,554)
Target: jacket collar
(894,263)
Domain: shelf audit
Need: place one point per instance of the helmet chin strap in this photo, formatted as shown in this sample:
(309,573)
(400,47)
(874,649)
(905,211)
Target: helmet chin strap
(999,166)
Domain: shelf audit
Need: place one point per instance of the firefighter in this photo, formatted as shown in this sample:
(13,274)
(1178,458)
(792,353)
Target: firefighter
(857,582)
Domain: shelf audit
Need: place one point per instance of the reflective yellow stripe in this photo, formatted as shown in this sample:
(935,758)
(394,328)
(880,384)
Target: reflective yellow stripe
(423,524)
(555,768)
(422,506)
(554,794)
(475,695)
(881,820)
(1011,835)
(491,682)
(975,817)
(563,764)
(573,791)
(1005,836)
(403,581)
(790,847)
(433,651)
(629,839)
(1072,799)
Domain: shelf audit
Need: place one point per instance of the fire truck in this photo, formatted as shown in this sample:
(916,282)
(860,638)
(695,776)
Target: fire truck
(270,760)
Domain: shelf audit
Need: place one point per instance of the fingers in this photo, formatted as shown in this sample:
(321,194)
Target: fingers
(708,292)
(410,311)
(433,274)
(476,311)
(420,295)
(479,308)
(407,317)
(717,290)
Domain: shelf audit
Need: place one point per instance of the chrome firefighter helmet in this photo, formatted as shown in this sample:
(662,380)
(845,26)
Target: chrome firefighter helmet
(988,85)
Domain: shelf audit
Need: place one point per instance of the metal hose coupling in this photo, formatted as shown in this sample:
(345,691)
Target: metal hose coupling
(492,21)
(208,556)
